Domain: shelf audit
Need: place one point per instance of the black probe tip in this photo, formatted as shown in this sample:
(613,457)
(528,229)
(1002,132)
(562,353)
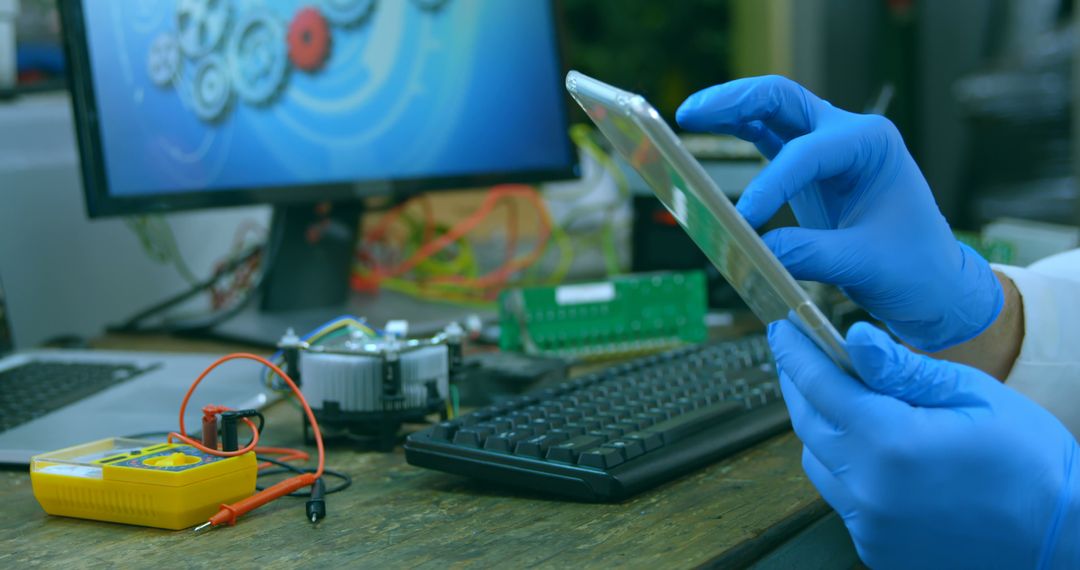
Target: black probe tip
(316,505)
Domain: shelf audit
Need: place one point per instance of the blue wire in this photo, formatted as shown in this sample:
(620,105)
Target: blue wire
(277,355)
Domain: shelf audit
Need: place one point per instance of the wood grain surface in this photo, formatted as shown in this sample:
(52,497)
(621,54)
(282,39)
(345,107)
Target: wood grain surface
(399,516)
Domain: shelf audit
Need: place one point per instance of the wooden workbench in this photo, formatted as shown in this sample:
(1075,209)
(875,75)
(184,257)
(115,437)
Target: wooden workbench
(755,507)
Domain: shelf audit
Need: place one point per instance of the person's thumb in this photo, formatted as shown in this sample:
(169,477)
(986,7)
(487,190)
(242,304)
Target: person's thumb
(893,370)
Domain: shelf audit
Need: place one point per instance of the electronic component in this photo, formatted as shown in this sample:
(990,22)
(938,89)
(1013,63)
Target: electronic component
(613,433)
(145,483)
(364,385)
(628,314)
(659,244)
(992,250)
(649,145)
(176,485)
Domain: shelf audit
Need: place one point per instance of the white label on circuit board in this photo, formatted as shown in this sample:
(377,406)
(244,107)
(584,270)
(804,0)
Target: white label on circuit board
(84,471)
(680,204)
(585,293)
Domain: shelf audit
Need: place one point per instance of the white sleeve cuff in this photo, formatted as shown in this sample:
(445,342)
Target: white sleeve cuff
(1048,368)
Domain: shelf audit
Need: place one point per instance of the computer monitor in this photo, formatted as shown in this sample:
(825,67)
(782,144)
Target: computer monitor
(7,343)
(183,104)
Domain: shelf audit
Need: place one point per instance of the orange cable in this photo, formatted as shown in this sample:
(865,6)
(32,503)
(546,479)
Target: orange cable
(495,277)
(229,513)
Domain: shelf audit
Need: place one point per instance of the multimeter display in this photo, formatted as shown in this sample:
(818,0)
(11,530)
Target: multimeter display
(167,457)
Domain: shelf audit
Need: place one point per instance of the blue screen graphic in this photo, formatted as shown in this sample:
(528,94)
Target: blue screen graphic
(197,95)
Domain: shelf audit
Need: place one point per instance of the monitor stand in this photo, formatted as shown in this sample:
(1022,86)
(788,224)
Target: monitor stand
(308,282)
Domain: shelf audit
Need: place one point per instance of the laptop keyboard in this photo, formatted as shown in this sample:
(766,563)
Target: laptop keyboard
(31,390)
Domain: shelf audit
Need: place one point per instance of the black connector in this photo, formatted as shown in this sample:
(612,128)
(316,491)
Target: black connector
(229,419)
(316,505)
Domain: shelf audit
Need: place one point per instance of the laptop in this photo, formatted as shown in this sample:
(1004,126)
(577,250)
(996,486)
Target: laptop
(52,399)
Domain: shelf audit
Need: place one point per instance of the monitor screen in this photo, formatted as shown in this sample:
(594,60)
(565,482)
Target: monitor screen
(194,103)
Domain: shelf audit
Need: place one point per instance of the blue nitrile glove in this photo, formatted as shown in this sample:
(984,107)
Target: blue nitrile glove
(869,222)
(931,464)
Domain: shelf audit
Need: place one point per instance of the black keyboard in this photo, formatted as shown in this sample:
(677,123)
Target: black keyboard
(31,390)
(610,434)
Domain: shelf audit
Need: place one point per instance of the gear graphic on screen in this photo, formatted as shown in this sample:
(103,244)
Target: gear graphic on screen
(163,60)
(243,48)
(347,12)
(309,40)
(201,24)
(258,58)
(210,88)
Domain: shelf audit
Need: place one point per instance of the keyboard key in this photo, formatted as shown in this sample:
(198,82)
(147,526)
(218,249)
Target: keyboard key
(606,434)
(686,403)
(590,424)
(774,389)
(620,412)
(588,409)
(658,414)
(602,458)
(556,420)
(443,431)
(535,412)
(473,419)
(616,428)
(649,440)
(539,426)
(679,427)
(506,441)
(572,414)
(630,448)
(562,434)
(467,437)
(552,408)
(521,401)
(605,419)
(500,424)
(520,419)
(493,411)
(673,409)
(536,446)
(568,452)
(574,429)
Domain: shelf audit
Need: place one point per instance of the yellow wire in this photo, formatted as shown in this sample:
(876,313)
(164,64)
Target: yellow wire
(464,263)
(444,292)
(321,334)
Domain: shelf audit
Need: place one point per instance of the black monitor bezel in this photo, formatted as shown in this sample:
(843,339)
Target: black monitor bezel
(100,203)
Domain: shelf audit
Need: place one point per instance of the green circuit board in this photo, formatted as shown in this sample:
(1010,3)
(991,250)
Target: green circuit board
(627,314)
(993,250)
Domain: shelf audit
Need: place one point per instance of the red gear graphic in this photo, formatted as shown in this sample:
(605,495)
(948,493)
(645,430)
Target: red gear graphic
(309,39)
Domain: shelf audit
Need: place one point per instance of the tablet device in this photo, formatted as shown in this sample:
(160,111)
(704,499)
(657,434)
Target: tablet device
(638,133)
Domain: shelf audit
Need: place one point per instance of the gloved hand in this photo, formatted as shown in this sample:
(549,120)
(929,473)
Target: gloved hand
(869,222)
(931,464)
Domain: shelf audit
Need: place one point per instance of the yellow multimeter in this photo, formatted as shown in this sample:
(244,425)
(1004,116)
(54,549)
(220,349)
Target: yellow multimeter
(163,485)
